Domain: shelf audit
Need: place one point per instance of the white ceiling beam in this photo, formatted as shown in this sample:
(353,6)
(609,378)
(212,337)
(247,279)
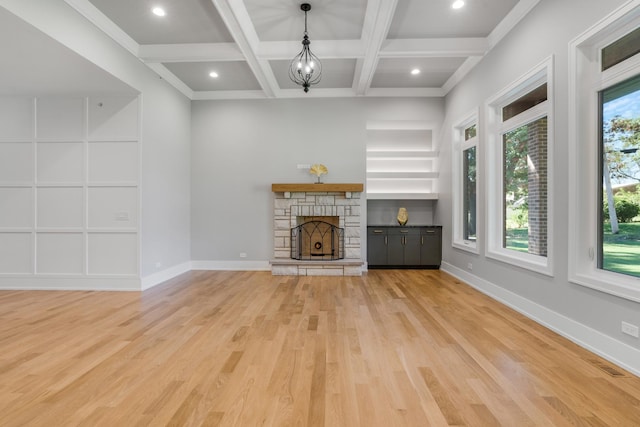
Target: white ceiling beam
(408,92)
(190,52)
(97,18)
(459,74)
(171,78)
(377,21)
(236,18)
(426,48)
(321,48)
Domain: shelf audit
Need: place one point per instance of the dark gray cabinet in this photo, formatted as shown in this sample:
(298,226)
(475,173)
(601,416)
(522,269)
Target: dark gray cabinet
(404,247)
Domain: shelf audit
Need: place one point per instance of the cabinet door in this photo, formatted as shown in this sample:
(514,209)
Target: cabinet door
(412,247)
(377,246)
(431,246)
(396,247)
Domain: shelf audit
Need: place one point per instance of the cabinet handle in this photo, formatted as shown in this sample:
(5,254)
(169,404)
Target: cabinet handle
(404,231)
(422,240)
(385,240)
(378,231)
(431,231)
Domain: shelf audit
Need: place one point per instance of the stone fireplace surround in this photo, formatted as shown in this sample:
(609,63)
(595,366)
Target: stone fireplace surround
(294,201)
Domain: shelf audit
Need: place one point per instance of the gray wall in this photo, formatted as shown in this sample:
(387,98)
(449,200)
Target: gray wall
(241,147)
(546,31)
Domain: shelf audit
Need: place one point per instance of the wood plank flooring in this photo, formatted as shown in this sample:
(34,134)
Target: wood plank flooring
(391,348)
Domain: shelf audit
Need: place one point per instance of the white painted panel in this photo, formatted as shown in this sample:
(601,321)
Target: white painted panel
(113,253)
(16,207)
(113,118)
(113,162)
(16,118)
(60,118)
(60,162)
(60,207)
(16,162)
(115,207)
(60,253)
(15,253)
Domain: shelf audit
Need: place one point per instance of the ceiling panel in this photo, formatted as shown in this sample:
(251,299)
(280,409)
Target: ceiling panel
(232,75)
(186,21)
(396,73)
(279,20)
(436,18)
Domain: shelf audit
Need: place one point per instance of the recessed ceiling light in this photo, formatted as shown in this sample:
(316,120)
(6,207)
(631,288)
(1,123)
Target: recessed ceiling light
(158,11)
(457,4)
(415,71)
(213,75)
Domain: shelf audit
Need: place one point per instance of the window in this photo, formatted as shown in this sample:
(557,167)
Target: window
(465,167)
(519,140)
(604,111)
(619,226)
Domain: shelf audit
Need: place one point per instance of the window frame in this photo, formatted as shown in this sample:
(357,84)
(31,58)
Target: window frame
(586,80)
(538,75)
(460,145)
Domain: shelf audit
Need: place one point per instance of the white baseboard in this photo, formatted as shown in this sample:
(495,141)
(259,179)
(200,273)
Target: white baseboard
(231,265)
(164,275)
(595,341)
(68,283)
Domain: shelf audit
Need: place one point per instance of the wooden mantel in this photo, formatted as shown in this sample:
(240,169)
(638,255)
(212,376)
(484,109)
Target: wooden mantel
(299,188)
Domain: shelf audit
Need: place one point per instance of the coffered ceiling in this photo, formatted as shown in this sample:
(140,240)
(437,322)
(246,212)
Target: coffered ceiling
(367,47)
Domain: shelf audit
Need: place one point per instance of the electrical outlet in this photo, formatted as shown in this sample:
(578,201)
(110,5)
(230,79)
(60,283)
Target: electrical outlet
(303,166)
(243,254)
(470,266)
(122,216)
(629,329)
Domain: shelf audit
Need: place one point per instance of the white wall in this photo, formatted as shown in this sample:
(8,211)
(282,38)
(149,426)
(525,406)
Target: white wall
(164,130)
(241,147)
(588,316)
(69,188)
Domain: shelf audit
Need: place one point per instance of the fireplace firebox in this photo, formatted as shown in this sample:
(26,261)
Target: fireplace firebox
(317,239)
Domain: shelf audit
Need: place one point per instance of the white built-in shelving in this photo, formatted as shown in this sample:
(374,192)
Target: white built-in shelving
(402,160)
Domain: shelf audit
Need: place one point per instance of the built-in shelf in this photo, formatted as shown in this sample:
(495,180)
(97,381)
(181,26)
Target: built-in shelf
(401,160)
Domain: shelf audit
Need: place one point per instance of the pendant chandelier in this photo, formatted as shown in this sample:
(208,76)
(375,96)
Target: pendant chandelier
(305,68)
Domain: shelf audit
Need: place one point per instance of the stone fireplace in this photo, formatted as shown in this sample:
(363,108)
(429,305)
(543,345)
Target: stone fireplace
(333,204)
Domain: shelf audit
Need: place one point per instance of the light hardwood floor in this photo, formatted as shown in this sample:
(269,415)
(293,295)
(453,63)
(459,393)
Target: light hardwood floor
(391,348)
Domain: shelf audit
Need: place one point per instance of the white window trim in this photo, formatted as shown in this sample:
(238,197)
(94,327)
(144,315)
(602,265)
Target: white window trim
(542,73)
(459,146)
(585,81)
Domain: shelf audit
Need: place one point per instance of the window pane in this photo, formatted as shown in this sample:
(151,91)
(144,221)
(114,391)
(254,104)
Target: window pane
(620,196)
(469,199)
(530,100)
(525,188)
(621,49)
(470,132)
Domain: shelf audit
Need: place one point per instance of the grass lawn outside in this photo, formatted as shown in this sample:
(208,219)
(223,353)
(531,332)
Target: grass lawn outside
(621,252)
(518,239)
